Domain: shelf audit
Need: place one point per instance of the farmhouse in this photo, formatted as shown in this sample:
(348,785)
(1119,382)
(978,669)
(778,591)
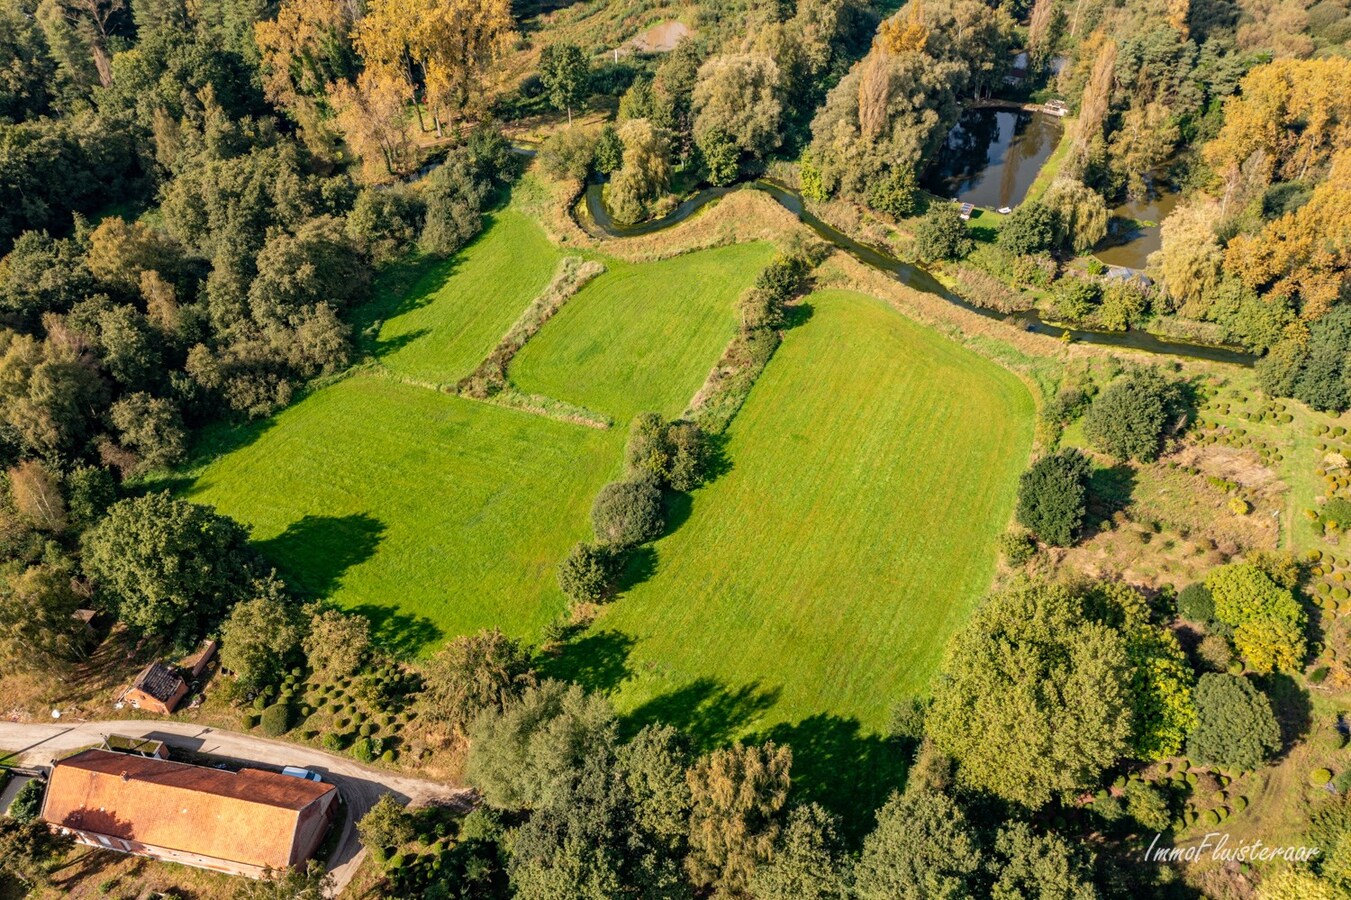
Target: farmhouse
(236,822)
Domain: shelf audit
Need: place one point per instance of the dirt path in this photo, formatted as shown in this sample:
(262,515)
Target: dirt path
(360,786)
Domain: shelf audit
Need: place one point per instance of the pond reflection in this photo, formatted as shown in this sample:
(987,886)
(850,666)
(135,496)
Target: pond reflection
(992,156)
(1133,232)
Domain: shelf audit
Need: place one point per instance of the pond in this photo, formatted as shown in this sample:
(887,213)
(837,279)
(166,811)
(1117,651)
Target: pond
(1133,232)
(992,156)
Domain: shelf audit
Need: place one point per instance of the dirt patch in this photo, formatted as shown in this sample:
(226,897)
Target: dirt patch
(661,38)
(1233,465)
(1172,521)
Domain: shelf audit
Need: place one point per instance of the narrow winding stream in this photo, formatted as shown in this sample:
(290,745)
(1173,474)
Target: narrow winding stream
(907,273)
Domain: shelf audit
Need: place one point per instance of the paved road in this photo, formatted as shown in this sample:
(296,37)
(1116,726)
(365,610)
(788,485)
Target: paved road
(360,786)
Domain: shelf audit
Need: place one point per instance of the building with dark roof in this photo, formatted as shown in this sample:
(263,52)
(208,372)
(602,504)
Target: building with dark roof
(237,822)
(158,688)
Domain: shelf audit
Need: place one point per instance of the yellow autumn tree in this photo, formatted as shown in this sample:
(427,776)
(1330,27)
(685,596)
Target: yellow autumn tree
(905,33)
(1093,107)
(1291,114)
(372,113)
(1305,255)
(448,46)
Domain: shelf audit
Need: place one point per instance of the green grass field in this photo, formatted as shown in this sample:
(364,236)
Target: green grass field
(872,468)
(442,325)
(641,337)
(431,514)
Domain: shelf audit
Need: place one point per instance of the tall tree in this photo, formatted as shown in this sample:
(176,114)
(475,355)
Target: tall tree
(738,795)
(1034,695)
(922,848)
(170,567)
(38,628)
(566,75)
(474,673)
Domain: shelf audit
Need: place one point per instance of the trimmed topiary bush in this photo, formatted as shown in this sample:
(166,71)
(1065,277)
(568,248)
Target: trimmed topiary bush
(1210,818)
(277,719)
(1320,776)
(249,720)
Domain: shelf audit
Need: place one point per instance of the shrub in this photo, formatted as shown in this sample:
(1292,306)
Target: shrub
(1017,547)
(1146,805)
(331,741)
(1320,776)
(674,454)
(27,803)
(277,719)
(1268,621)
(1336,510)
(1332,738)
(942,234)
(1214,653)
(1194,602)
(249,720)
(387,756)
(1235,725)
(1128,418)
(1030,229)
(568,153)
(1051,496)
(1239,507)
(627,513)
(454,196)
(588,573)
(362,750)
(894,193)
(1210,818)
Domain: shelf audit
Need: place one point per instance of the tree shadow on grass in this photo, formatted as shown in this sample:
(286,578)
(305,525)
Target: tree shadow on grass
(598,661)
(1292,706)
(314,551)
(840,767)
(706,711)
(676,507)
(1109,491)
(212,441)
(797,314)
(640,564)
(402,635)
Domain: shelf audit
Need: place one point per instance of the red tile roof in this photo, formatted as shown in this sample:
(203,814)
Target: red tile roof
(246,817)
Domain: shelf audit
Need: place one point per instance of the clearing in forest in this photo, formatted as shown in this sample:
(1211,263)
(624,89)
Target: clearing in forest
(871,470)
(435,321)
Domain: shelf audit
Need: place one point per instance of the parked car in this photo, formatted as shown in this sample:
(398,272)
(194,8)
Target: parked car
(297,772)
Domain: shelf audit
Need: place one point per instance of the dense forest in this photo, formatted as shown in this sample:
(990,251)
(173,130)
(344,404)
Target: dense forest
(196,198)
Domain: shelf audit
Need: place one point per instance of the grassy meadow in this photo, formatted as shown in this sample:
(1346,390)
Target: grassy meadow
(433,515)
(436,321)
(641,337)
(871,470)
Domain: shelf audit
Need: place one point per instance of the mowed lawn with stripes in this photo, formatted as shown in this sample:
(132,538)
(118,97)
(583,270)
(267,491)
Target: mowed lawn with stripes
(871,471)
